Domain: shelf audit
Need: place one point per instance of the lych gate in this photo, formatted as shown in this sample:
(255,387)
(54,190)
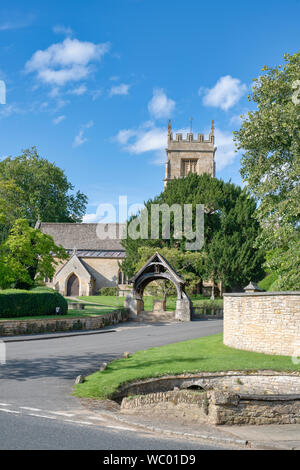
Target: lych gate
(156,268)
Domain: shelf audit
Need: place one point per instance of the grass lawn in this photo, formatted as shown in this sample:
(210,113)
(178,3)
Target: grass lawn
(202,354)
(89,311)
(114,301)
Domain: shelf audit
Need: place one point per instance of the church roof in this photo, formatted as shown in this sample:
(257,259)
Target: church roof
(84,238)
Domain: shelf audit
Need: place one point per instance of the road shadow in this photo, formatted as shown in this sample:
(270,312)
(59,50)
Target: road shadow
(63,367)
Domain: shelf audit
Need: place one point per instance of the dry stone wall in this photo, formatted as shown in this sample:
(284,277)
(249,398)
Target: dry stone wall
(267,322)
(26,327)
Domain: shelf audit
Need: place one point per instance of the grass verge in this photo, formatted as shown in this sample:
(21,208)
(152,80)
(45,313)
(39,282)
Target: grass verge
(201,354)
(114,301)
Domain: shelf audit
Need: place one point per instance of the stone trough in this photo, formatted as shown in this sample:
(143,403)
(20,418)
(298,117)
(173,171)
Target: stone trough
(221,398)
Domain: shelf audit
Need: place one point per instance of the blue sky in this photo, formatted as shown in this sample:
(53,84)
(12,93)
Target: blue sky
(92,84)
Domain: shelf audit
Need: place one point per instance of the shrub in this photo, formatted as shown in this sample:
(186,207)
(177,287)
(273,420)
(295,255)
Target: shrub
(20,303)
(108,291)
(268,281)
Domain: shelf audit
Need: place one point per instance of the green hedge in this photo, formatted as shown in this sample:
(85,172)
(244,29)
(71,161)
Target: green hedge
(20,303)
(108,291)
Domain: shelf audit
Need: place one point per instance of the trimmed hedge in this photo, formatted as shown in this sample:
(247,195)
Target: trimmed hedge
(21,303)
(108,291)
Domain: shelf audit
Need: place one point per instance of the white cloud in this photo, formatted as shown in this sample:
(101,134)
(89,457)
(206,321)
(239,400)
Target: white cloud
(122,89)
(66,61)
(90,218)
(80,138)
(19,23)
(60,103)
(225,94)
(143,139)
(160,105)
(54,92)
(237,119)
(79,90)
(149,138)
(9,109)
(60,29)
(60,77)
(114,78)
(226,153)
(96,93)
(124,135)
(59,119)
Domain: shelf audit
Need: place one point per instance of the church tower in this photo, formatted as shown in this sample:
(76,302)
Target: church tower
(189,155)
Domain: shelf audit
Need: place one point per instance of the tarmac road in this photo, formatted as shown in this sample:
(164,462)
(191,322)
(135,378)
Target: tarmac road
(36,385)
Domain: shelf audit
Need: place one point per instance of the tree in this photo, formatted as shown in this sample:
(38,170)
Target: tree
(43,190)
(231,255)
(270,139)
(27,255)
(10,210)
(230,230)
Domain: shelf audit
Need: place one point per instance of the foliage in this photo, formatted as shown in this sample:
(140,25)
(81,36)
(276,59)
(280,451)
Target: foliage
(27,255)
(232,256)
(267,283)
(10,209)
(38,189)
(230,231)
(20,303)
(270,139)
(108,291)
(201,354)
(160,289)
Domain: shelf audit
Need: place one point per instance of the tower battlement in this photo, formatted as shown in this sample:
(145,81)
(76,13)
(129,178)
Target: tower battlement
(190,137)
(193,154)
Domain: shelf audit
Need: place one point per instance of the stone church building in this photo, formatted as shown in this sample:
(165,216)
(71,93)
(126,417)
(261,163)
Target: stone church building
(95,263)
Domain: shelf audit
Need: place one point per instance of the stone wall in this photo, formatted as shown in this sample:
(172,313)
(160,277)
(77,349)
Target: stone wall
(267,322)
(216,407)
(261,382)
(104,271)
(31,326)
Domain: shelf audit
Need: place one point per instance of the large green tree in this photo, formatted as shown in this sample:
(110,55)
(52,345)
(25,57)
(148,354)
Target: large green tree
(270,140)
(10,195)
(27,256)
(230,231)
(42,190)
